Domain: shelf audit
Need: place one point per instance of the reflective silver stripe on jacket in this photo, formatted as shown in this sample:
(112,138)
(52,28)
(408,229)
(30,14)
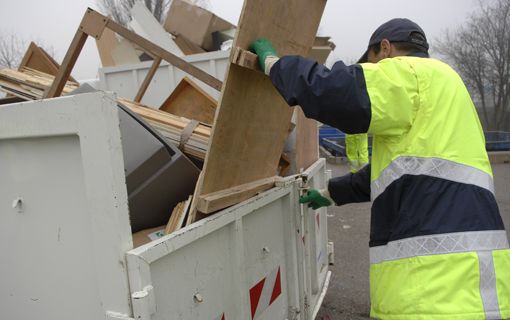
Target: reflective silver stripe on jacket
(439,244)
(488,285)
(433,167)
(481,242)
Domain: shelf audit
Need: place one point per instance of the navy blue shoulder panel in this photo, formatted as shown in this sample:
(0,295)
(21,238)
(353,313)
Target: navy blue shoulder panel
(423,205)
(337,97)
(351,188)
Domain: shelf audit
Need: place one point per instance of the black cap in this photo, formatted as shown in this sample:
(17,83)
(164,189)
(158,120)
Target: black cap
(397,30)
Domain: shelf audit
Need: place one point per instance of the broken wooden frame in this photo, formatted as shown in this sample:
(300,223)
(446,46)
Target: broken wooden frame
(93,24)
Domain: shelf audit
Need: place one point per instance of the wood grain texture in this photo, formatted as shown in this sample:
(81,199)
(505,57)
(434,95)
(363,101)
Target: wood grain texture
(178,214)
(307,133)
(106,44)
(37,58)
(190,101)
(215,201)
(252,119)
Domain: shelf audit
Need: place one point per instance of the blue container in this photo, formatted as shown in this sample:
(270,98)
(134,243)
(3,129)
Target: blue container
(497,140)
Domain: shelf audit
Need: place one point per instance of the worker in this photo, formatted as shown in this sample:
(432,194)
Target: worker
(438,247)
(356,149)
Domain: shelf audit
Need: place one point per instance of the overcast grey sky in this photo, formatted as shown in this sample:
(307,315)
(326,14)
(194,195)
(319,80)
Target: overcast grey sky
(349,22)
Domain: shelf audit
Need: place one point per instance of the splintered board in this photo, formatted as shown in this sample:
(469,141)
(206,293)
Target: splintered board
(252,119)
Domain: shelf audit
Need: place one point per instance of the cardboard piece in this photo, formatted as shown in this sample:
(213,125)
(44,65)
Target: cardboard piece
(194,23)
(148,235)
(190,101)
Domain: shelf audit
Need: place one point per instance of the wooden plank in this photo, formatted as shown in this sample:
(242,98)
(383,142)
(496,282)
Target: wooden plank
(177,218)
(148,79)
(307,142)
(307,132)
(252,119)
(37,58)
(246,59)
(218,200)
(190,101)
(67,65)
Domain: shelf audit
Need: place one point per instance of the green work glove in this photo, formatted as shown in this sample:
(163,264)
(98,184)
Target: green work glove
(316,199)
(266,52)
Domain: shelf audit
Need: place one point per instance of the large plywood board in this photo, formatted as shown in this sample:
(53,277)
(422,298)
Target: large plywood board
(252,120)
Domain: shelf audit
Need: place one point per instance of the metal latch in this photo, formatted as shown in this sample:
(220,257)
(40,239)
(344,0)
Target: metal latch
(144,303)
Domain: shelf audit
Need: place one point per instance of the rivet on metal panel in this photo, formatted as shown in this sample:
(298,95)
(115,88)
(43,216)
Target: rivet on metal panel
(18,204)
(198,298)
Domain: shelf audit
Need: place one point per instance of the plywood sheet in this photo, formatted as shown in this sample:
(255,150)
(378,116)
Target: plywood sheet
(252,119)
(105,45)
(190,101)
(36,58)
(124,53)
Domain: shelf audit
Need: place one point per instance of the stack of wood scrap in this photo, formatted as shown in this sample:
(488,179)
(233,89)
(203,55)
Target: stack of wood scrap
(37,58)
(29,84)
(172,127)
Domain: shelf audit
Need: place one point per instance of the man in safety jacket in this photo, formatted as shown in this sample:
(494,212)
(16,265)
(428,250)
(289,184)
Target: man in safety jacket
(356,149)
(438,247)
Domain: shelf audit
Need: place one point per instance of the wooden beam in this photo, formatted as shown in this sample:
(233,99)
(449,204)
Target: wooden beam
(148,79)
(215,201)
(93,24)
(245,59)
(65,69)
(165,55)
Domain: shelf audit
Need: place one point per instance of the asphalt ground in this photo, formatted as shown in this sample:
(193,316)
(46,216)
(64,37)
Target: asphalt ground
(348,295)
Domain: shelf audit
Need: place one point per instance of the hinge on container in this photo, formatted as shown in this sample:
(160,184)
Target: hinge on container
(144,303)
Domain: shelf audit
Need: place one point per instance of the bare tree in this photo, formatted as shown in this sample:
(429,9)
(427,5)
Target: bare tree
(480,52)
(119,10)
(13,47)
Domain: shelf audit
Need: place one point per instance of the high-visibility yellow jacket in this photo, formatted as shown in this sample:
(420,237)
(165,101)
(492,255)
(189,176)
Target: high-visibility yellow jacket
(438,247)
(356,147)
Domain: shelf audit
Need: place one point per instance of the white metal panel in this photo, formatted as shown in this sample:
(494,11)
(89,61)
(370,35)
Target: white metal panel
(63,242)
(316,241)
(146,25)
(207,269)
(212,267)
(125,80)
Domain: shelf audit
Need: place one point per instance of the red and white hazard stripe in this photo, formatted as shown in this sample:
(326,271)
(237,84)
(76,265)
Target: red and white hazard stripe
(265,292)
